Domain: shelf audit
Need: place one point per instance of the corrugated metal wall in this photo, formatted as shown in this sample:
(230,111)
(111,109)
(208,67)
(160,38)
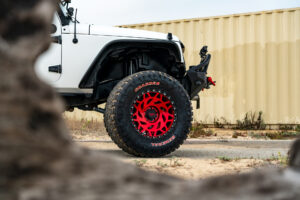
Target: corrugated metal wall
(256,63)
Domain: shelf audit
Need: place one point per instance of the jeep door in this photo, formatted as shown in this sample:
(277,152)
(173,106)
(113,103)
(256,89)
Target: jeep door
(48,66)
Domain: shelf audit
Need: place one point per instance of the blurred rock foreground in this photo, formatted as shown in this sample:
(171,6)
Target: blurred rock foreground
(38,160)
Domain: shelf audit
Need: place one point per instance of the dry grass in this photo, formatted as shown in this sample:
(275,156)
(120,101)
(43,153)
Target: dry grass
(279,135)
(221,123)
(199,130)
(84,125)
(86,129)
(239,134)
(298,128)
(252,121)
(140,163)
(279,159)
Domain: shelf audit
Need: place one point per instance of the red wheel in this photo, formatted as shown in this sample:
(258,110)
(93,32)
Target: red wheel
(153,114)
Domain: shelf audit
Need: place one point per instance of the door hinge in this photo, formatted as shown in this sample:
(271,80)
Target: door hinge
(56,69)
(57,39)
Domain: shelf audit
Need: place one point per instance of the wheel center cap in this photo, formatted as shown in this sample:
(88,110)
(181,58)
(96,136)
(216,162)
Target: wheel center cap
(151,114)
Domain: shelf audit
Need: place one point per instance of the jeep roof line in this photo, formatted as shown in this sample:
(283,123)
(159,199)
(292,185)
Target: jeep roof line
(140,75)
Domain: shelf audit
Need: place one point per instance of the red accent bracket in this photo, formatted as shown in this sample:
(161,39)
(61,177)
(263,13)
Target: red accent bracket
(210,80)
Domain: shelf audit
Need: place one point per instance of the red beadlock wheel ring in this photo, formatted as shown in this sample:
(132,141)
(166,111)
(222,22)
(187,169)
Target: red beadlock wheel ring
(153,114)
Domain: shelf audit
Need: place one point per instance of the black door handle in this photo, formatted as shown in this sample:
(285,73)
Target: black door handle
(57,39)
(56,69)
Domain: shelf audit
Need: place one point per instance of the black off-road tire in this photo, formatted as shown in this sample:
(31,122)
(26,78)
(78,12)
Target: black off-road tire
(118,116)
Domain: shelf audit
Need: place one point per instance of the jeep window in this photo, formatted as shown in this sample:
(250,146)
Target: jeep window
(66,13)
(62,13)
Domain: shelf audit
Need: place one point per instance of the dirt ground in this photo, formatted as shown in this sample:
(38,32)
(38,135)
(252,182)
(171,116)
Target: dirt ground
(190,167)
(206,156)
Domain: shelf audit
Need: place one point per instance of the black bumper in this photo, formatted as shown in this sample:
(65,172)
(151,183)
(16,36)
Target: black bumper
(196,78)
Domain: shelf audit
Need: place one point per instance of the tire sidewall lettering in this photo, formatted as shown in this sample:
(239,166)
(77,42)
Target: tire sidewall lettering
(146,85)
(164,142)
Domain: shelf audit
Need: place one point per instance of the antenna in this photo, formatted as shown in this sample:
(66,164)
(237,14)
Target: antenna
(75,40)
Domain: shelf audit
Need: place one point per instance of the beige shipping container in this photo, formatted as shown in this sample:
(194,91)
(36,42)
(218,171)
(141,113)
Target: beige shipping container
(255,61)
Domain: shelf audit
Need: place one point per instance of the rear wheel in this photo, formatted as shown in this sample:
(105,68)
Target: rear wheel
(148,114)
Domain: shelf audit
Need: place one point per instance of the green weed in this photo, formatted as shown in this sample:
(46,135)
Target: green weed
(252,121)
(175,162)
(225,159)
(238,134)
(140,163)
(220,123)
(198,130)
(286,127)
(161,164)
(283,160)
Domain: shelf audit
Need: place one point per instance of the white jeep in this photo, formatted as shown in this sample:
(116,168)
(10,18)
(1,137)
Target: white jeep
(140,75)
